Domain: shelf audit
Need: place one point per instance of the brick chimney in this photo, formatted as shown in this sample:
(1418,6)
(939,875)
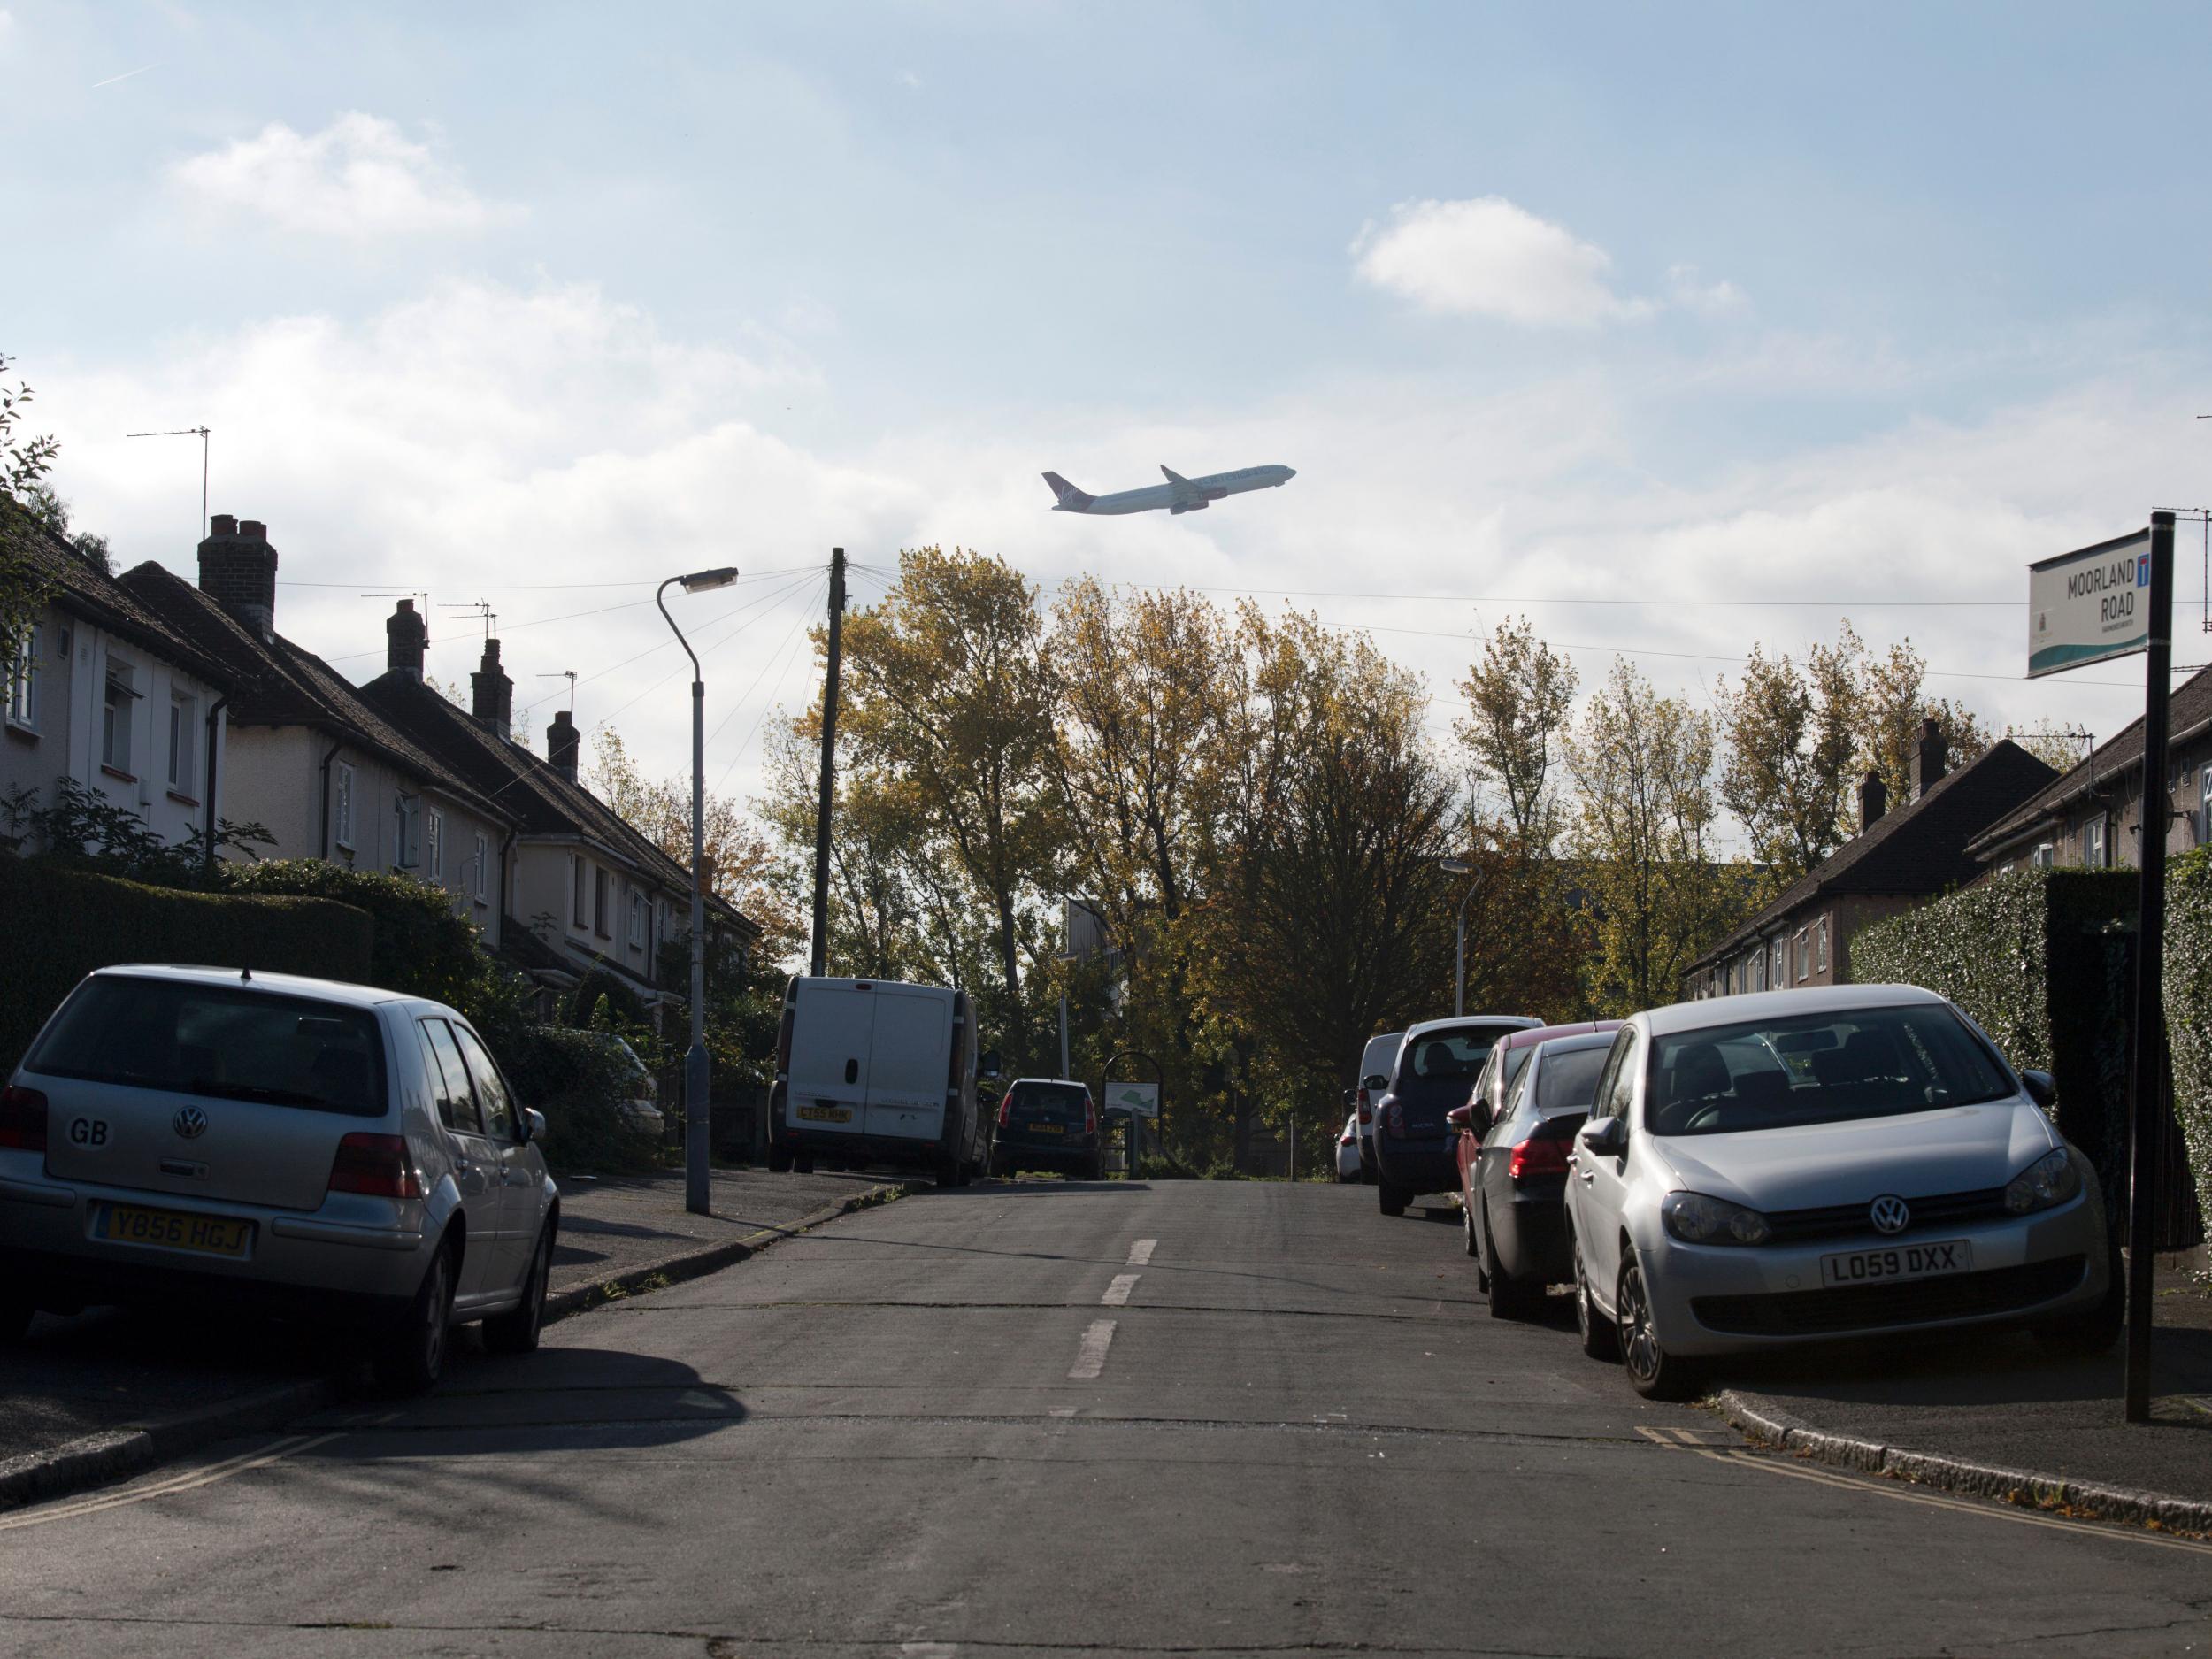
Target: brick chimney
(1873,801)
(405,633)
(238,570)
(492,693)
(560,744)
(1928,759)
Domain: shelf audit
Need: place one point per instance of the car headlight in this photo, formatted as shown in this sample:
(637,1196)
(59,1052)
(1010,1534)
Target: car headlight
(2051,1179)
(1694,1218)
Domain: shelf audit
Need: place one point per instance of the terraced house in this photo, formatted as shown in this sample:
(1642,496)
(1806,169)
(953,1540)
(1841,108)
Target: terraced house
(312,760)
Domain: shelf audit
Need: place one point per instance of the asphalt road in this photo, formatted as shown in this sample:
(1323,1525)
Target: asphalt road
(1191,1418)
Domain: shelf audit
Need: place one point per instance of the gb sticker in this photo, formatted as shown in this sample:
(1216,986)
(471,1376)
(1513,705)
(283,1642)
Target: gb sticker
(88,1132)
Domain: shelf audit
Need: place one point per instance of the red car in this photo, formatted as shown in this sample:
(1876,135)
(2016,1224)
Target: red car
(1512,1152)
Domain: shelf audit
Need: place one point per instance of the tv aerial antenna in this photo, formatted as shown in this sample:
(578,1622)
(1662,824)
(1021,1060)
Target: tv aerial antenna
(569,674)
(200,433)
(483,609)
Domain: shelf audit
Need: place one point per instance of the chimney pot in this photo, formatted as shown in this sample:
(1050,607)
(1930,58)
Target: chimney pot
(1873,801)
(238,570)
(223,524)
(405,635)
(253,529)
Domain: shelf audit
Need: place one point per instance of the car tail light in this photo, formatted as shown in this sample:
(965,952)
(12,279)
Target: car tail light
(1090,1114)
(23,1119)
(1397,1116)
(1535,1157)
(1366,1108)
(376,1165)
(1006,1108)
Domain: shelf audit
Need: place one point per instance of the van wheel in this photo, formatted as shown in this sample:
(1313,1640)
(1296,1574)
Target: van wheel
(517,1331)
(947,1171)
(1389,1199)
(410,1358)
(779,1161)
(802,1163)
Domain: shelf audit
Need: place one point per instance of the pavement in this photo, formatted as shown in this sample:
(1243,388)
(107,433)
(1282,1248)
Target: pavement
(83,1391)
(1205,1418)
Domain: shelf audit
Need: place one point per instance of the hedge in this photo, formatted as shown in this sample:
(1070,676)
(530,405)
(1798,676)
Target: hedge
(2043,960)
(420,946)
(2189,1011)
(60,924)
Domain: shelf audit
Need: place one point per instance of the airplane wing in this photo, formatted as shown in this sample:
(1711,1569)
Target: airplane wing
(1174,477)
(1182,493)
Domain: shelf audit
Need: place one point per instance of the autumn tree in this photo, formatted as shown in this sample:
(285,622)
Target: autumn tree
(1793,736)
(24,463)
(1894,704)
(1643,837)
(1520,697)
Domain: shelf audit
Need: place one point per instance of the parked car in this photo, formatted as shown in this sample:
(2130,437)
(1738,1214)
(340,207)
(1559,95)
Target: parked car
(1049,1123)
(327,1151)
(1348,1167)
(640,1106)
(1513,1175)
(1779,1168)
(1436,1067)
(1377,1061)
(1505,1063)
(878,1071)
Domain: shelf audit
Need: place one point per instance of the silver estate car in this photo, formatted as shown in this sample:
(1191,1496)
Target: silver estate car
(1787,1166)
(315,1149)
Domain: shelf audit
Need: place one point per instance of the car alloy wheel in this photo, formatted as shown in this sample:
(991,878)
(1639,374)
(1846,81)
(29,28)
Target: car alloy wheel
(1652,1371)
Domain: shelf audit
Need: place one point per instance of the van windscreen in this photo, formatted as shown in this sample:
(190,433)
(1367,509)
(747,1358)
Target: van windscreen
(226,1042)
(1047,1103)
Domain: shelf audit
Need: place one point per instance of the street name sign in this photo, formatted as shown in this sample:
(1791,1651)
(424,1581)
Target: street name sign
(2090,604)
(1139,1100)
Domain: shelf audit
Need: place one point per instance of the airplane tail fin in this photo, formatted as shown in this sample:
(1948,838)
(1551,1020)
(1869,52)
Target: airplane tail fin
(1071,499)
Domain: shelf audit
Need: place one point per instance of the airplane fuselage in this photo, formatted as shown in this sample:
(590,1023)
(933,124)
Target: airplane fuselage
(1180,495)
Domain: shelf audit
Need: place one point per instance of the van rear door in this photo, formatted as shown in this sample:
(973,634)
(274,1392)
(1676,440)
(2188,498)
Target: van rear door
(832,1029)
(906,1080)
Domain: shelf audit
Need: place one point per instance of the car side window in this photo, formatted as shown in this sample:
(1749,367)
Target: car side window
(1604,1090)
(450,1078)
(1516,1090)
(1621,1089)
(491,1089)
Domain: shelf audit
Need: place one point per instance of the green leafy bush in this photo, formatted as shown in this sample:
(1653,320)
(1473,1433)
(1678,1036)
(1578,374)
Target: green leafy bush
(62,923)
(2189,1010)
(423,948)
(578,1078)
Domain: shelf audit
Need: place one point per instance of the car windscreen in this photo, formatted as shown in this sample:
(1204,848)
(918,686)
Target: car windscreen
(1817,1068)
(1046,1102)
(226,1042)
(1569,1081)
(1438,1068)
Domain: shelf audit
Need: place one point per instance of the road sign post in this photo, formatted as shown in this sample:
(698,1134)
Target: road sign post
(2097,603)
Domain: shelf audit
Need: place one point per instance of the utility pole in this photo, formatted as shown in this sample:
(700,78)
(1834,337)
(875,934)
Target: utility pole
(820,964)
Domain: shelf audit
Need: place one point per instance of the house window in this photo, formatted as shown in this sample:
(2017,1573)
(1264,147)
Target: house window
(23,681)
(182,720)
(1781,963)
(2204,806)
(477,875)
(637,920)
(436,834)
(344,811)
(601,922)
(115,718)
(575,892)
(1804,954)
(406,831)
(1820,945)
(2092,844)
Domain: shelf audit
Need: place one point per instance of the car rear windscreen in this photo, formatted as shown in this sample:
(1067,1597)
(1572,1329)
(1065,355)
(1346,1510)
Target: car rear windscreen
(217,1040)
(1569,1082)
(1440,1067)
(1047,1103)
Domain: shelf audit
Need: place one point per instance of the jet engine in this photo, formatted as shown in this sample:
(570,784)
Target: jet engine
(1188,506)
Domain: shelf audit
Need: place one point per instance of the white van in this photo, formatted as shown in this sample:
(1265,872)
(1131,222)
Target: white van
(874,1071)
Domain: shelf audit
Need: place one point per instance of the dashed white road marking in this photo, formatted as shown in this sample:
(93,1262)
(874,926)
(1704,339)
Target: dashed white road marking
(206,1476)
(1118,1292)
(1090,1358)
(1140,1252)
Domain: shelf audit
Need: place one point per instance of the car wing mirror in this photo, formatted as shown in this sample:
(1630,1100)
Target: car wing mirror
(1376,1081)
(987,1064)
(1608,1137)
(533,1125)
(1460,1118)
(2042,1088)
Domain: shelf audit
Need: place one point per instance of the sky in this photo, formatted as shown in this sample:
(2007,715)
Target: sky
(1676,329)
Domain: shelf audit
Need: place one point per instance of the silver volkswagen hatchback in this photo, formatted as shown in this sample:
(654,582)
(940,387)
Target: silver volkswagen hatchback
(315,1149)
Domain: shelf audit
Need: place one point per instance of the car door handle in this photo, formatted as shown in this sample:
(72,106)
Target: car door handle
(472,1182)
(1588,1176)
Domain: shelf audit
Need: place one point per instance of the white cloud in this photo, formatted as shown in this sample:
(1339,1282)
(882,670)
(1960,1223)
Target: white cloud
(908,79)
(7,28)
(360,178)
(1487,257)
(1707,299)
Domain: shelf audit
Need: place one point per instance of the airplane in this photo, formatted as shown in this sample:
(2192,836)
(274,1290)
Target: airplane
(1178,495)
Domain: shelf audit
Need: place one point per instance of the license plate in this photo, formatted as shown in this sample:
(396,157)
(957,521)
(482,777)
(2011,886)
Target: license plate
(1897,1261)
(172,1230)
(1047,1129)
(826,1114)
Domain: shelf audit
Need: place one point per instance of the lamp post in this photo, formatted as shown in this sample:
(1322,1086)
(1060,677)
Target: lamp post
(1460,867)
(698,1197)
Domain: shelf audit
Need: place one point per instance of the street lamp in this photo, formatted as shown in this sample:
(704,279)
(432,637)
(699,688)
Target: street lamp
(698,1197)
(1460,867)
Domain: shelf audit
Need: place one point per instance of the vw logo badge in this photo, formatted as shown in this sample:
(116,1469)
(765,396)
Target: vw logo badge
(190,1124)
(1890,1214)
